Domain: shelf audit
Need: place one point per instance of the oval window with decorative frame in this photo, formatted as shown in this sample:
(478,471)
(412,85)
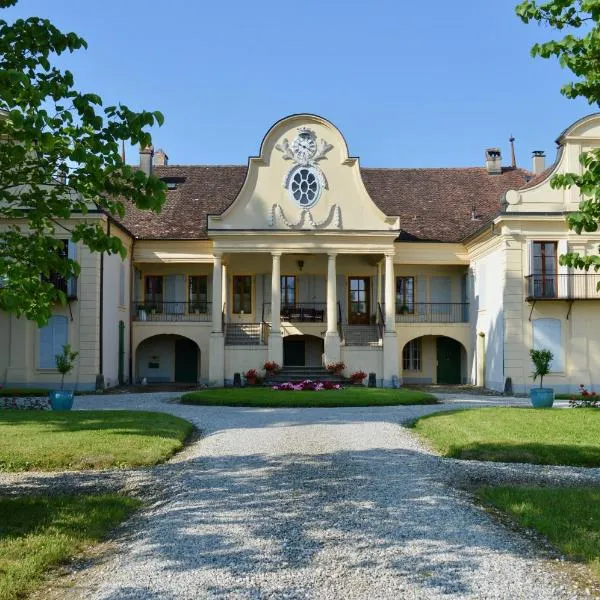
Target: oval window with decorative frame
(305,186)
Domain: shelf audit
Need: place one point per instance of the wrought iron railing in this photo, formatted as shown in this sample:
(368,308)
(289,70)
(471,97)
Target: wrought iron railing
(172,311)
(380,320)
(564,286)
(312,312)
(433,312)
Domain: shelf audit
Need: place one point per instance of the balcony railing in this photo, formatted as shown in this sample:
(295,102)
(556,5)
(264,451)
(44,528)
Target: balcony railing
(67,285)
(172,311)
(308,312)
(567,286)
(433,312)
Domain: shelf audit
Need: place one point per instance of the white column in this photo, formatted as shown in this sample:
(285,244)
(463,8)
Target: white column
(216,346)
(390,301)
(224,287)
(331,295)
(275,350)
(379,282)
(276,293)
(217,294)
(391,367)
(332,338)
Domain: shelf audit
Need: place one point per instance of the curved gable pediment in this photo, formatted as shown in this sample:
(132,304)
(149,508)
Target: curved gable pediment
(303,180)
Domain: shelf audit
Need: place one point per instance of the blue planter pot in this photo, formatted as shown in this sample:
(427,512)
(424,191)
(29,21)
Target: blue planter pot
(541,397)
(60,400)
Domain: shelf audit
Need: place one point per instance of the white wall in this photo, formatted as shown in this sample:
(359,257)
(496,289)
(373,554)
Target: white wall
(114,312)
(369,360)
(486,295)
(159,351)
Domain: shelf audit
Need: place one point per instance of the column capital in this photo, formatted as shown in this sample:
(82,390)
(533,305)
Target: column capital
(331,255)
(218,254)
(276,254)
(390,254)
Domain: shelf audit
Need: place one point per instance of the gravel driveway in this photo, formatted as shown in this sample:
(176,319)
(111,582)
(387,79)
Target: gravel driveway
(312,503)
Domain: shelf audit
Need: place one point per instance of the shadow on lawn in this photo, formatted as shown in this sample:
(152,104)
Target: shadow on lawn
(378,515)
(533,453)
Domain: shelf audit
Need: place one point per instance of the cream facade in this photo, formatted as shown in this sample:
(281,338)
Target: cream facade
(350,280)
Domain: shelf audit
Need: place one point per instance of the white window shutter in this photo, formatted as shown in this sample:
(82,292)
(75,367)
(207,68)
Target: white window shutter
(122,284)
(529,267)
(72,250)
(563,270)
(52,339)
(61,337)
(46,347)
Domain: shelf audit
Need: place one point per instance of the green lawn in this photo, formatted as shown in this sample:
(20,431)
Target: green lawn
(38,533)
(547,437)
(50,441)
(569,518)
(266,397)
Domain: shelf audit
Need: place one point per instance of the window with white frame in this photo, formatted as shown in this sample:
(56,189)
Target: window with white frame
(122,284)
(547,336)
(52,339)
(411,356)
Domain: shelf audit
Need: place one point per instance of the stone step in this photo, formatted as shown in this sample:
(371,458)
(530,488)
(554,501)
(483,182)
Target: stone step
(361,335)
(300,373)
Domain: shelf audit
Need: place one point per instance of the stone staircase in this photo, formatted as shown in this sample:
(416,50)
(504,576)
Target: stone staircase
(302,373)
(243,334)
(361,335)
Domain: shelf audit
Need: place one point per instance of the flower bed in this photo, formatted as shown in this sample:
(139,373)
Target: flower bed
(306,386)
(25,403)
(584,399)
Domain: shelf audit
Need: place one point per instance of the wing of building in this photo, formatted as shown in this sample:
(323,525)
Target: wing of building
(304,258)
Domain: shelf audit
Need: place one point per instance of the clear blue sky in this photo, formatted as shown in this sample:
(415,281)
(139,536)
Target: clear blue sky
(410,84)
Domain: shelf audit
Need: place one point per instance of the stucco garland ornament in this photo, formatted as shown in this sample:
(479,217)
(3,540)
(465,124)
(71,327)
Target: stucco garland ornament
(333,219)
(305,180)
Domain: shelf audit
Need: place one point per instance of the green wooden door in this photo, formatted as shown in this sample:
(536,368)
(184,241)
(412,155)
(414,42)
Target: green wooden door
(186,361)
(293,353)
(448,360)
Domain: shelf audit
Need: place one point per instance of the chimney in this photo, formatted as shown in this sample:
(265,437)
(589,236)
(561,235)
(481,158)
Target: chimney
(146,155)
(539,161)
(160,158)
(493,161)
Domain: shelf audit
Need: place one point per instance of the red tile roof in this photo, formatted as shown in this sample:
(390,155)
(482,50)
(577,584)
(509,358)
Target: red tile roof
(433,204)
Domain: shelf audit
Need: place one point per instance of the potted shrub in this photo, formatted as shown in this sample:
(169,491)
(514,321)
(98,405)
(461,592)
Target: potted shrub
(541,397)
(142,313)
(59,399)
(357,377)
(251,376)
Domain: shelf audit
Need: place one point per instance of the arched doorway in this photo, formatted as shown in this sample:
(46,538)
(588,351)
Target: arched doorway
(434,359)
(168,359)
(302,351)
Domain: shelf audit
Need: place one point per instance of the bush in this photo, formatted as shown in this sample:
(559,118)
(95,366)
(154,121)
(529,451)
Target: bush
(336,367)
(358,376)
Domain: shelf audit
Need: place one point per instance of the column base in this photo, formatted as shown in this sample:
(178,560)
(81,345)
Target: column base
(216,360)
(391,378)
(275,350)
(332,347)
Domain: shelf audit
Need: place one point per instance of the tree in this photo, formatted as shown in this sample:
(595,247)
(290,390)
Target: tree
(579,51)
(59,157)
